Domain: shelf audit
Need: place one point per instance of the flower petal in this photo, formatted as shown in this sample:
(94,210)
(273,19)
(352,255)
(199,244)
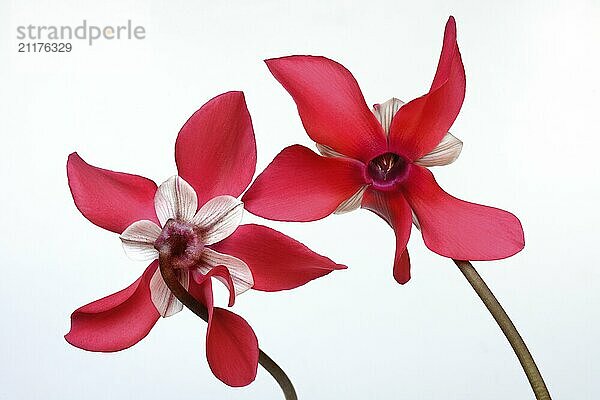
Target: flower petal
(231,345)
(165,302)
(401,269)
(331,105)
(241,275)
(138,240)
(175,199)
(458,229)
(446,152)
(394,209)
(219,272)
(231,348)
(385,112)
(118,321)
(277,261)
(353,202)
(111,200)
(300,185)
(328,151)
(420,125)
(219,218)
(215,149)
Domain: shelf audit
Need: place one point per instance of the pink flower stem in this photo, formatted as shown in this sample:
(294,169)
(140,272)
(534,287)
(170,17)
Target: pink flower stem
(200,310)
(508,328)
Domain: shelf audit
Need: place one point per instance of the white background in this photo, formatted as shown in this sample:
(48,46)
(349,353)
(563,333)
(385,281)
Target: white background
(530,126)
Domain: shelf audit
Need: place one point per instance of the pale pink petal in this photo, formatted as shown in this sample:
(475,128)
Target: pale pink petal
(118,321)
(331,105)
(328,151)
(415,220)
(277,261)
(394,209)
(163,299)
(385,112)
(458,229)
(215,149)
(420,125)
(353,202)
(111,200)
(175,199)
(300,185)
(219,218)
(138,240)
(446,152)
(241,275)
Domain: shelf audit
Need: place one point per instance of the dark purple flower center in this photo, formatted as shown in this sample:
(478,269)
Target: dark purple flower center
(180,243)
(387,169)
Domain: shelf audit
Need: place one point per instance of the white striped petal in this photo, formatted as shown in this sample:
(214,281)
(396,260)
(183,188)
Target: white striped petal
(138,240)
(352,203)
(164,301)
(385,112)
(175,199)
(239,270)
(328,151)
(444,153)
(415,220)
(219,218)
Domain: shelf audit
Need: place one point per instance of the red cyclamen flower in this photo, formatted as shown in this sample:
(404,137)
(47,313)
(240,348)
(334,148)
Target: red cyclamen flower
(193,222)
(378,160)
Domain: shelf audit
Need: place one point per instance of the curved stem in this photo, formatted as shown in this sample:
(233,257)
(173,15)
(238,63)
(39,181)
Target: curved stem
(508,328)
(200,310)
(276,372)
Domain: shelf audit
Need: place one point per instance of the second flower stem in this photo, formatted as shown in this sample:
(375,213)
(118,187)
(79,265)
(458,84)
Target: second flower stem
(508,328)
(200,310)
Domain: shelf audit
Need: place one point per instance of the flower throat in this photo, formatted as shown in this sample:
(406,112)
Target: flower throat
(387,169)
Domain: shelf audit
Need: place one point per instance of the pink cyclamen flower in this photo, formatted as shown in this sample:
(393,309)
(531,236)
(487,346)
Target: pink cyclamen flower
(378,160)
(193,222)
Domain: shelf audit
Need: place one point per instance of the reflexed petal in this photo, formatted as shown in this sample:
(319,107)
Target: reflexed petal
(201,289)
(352,203)
(331,105)
(231,348)
(164,301)
(175,199)
(219,218)
(138,240)
(277,261)
(458,229)
(118,321)
(215,149)
(422,123)
(300,185)
(394,209)
(446,152)
(231,345)
(385,112)
(239,271)
(219,272)
(111,200)
(231,355)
